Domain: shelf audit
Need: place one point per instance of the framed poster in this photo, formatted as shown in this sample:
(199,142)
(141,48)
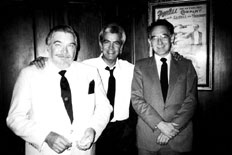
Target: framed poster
(193,34)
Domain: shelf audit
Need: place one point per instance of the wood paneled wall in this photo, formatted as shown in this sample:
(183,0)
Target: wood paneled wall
(25,25)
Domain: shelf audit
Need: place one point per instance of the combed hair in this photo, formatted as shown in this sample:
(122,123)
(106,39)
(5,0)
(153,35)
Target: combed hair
(112,28)
(61,28)
(160,22)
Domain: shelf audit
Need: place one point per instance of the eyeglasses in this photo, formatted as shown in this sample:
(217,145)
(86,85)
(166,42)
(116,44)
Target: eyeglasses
(162,37)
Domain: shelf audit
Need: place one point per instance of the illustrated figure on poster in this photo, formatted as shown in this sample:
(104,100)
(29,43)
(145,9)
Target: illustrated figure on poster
(195,35)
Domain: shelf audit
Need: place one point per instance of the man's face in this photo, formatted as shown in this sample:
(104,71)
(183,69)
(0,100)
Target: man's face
(62,49)
(160,40)
(111,46)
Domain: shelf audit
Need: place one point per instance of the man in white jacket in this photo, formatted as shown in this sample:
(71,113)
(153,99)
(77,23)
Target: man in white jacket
(37,113)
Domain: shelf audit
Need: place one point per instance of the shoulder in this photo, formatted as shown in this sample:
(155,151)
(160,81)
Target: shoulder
(144,61)
(81,66)
(184,63)
(28,73)
(30,70)
(125,64)
(183,60)
(91,61)
(84,70)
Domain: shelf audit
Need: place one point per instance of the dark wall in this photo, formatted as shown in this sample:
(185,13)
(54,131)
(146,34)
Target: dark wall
(22,39)
(214,117)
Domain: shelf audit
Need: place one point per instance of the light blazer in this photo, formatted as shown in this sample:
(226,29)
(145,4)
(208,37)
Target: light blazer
(37,107)
(147,101)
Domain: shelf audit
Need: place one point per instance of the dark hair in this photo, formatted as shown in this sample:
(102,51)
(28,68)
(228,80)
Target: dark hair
(62,28)
(112,28)
(160,22)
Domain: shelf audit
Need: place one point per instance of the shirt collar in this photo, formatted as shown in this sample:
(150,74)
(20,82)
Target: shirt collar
(168,57)
(105,65)
(53,68)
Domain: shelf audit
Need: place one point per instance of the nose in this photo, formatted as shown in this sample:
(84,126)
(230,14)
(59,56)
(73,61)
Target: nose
(159,41)
(64,50)
(111,46)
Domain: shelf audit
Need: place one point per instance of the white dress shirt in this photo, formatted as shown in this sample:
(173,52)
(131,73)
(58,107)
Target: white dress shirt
(159,63)
(123,74)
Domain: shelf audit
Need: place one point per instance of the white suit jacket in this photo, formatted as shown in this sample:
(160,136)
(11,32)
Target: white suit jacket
(37,107)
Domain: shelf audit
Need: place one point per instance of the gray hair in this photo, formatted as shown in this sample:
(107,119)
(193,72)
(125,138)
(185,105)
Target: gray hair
(112,28)
(61,28)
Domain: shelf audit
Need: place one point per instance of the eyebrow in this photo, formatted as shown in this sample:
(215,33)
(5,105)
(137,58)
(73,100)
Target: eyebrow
(58,41)
(164,34)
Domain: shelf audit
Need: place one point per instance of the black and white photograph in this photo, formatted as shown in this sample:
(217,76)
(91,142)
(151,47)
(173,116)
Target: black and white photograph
(115,77)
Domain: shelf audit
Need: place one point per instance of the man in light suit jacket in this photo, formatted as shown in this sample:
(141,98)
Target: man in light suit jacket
(38,114)
(164,123)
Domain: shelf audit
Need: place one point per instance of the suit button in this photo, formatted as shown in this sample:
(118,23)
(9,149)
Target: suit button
(66,98)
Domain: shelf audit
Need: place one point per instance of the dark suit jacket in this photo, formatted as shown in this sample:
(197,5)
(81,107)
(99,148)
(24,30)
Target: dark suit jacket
(148,102)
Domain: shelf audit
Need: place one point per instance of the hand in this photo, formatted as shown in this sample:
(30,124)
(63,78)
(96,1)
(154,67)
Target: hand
(177,56)
(39,62)
(57,142)
(87,140)
(162,139)
(168,129)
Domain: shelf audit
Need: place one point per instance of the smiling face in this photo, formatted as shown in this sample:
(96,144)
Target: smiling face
(62,49)
(111,47)
(161,40)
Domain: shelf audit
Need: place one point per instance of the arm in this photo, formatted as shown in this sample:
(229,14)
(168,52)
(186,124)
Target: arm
(18,119)
(103,108)
(39,62)
(144,110)
(57,142)
(162,139)
(185,113)
(168,129)
(87,140)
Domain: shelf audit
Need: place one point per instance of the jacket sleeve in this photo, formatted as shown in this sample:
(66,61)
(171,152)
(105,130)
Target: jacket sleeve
(103,108)
(144,110)
(18,119)
(185,113)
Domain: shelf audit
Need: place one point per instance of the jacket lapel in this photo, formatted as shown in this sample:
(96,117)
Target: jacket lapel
(174,73)
(155,82)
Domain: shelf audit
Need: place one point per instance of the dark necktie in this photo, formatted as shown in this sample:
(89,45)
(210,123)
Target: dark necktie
(66,94)
(164,78)
(111,89)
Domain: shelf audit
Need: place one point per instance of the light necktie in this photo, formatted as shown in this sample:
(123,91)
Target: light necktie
(164,78)
(66,94)
(111,88)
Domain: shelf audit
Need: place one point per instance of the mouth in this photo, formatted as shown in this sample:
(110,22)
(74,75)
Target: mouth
(63,56)
(111,52)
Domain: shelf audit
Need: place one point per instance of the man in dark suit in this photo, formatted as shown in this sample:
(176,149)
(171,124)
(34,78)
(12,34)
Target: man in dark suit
(164,114)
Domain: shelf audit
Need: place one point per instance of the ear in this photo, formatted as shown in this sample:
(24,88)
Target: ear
(47,48)
(101,47)
(75,55)
(149,41)
(121,49)
(172,38)
(150,48)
